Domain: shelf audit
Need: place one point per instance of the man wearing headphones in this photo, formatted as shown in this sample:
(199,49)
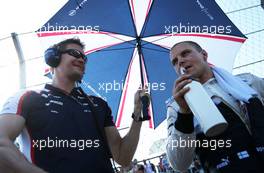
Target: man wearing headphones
(62,130)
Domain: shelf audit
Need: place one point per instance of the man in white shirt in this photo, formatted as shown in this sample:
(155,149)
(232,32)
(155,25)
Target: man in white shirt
(237,149)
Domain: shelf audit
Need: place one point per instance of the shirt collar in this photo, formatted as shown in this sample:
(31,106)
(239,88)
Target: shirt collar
(76,91)
(210,81)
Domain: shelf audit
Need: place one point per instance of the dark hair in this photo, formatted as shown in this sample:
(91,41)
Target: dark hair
(192,43)
(141,168)
(61,46)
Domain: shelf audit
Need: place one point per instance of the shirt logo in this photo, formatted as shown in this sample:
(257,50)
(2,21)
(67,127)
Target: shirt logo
(224,163)
(54,102)
(243,155)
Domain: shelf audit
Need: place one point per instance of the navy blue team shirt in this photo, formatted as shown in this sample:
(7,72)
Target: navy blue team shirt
(60,135)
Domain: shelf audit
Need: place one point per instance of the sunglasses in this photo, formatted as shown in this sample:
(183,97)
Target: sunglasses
(75,53)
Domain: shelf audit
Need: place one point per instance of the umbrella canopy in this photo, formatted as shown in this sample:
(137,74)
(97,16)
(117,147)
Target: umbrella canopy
(128,41)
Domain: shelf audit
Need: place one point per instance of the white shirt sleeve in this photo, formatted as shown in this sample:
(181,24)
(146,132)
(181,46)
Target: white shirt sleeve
(179,153)
(13,103)
(255,82)
(258,85)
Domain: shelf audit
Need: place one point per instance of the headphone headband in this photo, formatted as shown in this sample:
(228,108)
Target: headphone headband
(52,56)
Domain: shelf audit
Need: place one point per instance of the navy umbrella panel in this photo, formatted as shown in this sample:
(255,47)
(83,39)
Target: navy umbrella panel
(106,71)
(187,16)
(111,65)
(113,68)
(98,15)
(161,77)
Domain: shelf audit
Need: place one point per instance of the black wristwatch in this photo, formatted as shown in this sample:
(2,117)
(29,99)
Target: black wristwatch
(134,118)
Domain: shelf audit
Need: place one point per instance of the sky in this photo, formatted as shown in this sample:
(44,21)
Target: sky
(21,17)
(26,16)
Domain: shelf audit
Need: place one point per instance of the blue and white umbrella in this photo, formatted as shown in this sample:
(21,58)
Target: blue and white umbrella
(128,41)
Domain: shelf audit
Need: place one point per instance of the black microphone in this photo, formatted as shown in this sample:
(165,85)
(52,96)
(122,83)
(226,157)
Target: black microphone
(145,105)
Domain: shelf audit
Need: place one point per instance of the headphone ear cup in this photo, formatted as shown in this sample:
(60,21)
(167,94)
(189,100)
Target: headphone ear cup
(52,57)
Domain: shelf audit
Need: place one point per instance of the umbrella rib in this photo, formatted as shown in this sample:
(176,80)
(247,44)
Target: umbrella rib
(123,95)
(102,50)
(146,20)
(156,49)
(133,19)
(110,35)
(155,40)
(149,5)
(133,12)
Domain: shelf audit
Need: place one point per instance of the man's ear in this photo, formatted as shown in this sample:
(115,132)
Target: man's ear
(205,55)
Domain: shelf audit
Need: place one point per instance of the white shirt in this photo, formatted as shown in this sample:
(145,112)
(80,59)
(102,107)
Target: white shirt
(180,158)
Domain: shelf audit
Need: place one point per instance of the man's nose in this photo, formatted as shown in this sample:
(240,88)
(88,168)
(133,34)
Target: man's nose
(82,60)
(181,62)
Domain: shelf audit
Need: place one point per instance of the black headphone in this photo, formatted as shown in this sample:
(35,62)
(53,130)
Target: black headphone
(52,56)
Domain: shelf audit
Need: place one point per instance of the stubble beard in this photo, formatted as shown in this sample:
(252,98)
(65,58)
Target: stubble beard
(76,77)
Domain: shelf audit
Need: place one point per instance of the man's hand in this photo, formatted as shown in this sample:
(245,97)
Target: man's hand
(137,101)
(13,161)
(180,90)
